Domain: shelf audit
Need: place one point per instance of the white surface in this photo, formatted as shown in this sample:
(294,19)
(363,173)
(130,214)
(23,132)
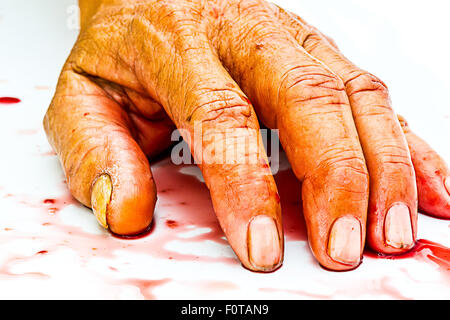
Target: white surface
(64,254)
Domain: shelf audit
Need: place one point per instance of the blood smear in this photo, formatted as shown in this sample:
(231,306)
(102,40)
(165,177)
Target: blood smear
(55,205)
(9,100)
(289,188)
(147,286)
(424,250)
(184,205)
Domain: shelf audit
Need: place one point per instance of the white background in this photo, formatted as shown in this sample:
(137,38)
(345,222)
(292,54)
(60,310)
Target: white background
(64,254)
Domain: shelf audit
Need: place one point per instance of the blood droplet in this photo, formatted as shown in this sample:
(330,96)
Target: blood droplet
(9,100)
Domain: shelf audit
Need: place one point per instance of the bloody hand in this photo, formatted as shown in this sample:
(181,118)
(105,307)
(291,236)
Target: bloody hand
(140,69)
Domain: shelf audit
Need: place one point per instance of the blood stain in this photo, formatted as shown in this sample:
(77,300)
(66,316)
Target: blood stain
(146,287)
(424,250)
(289,189)
(9,100)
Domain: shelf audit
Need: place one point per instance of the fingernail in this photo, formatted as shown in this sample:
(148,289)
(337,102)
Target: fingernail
(263,241)
(344,243)
(397,227)
(447,184)
(100,198)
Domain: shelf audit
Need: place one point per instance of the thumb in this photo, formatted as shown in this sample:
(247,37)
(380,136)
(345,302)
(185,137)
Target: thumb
(104,166)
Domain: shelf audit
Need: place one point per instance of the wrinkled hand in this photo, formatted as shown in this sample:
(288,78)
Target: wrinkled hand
(140,69)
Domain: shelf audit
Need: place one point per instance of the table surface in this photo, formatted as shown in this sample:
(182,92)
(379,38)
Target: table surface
(51,247)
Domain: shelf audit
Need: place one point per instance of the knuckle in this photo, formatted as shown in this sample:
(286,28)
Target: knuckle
(313,76)
(383,111)
(393,154)
(309,39)
(365,83)
(221,108)
(309,83)
(345,166)
(173,14)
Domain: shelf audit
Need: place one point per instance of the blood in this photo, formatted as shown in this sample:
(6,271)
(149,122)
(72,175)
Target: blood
(289,189)
(185,207)
(146,287)
(54,205)
(425,250)
(5,268)
(171,224)
(140,235)
(9,100)
(49,205)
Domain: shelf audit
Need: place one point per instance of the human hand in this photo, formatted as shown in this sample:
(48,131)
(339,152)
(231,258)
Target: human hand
(140,69)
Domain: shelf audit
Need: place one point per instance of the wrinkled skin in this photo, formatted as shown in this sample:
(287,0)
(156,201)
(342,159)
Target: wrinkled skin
(140,69)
